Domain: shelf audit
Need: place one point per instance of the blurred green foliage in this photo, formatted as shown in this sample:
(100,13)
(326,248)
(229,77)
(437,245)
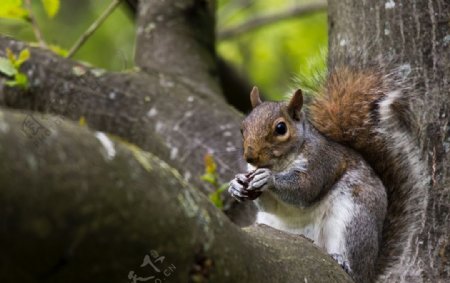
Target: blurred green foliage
(111,46)
(211,177)
(271,57)
(274,57)
(10,67)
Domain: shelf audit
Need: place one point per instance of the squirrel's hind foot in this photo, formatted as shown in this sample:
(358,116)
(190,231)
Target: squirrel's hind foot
(342,262)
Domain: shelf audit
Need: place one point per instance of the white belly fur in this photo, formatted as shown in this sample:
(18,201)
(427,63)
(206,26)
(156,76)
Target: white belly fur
(324,223)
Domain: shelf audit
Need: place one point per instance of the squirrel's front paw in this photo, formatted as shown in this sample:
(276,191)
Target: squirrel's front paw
(260,180)
(239,188)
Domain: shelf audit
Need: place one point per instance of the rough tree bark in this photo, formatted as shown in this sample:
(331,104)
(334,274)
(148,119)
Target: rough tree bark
(415,34)
(94,219)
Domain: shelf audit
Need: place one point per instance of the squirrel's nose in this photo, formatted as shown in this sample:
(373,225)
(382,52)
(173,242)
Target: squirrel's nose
(249,159)
(250,156)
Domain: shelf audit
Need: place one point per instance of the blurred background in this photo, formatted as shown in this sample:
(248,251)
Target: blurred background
(282,45)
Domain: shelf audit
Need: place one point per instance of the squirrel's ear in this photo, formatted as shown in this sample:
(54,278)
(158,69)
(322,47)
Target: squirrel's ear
(295,105)
(254,97)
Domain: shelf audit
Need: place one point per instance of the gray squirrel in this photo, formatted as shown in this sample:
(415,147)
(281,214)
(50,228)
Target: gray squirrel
(328,172)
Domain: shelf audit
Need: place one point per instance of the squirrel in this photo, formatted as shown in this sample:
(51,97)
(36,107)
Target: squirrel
(346,172)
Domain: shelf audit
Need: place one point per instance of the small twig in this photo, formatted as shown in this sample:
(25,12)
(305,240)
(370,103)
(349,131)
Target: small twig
(93,27)
(37,32)
(230,9)
(264,20)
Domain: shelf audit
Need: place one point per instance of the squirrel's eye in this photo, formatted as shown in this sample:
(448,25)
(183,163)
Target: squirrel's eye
(281,128)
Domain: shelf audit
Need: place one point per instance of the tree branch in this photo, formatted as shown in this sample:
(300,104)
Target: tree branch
(177,38)
(160,113)
(93,27)
(264,20)
(88,208)
(235,87)
(36,30)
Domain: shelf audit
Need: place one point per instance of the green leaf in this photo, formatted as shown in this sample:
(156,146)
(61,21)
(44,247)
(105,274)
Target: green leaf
(21,80)
(223,187)
(58,50)
(215,199)
(51,7)
(210,178)
(12,9)
(11,56)
(23,56)
(210,164)
(7,67)
(11,83)
(82,121)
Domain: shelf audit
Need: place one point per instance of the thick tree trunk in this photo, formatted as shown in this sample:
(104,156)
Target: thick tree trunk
(414,34)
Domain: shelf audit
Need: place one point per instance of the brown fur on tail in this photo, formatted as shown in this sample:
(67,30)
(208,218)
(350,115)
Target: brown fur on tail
(344,108)
(368,110)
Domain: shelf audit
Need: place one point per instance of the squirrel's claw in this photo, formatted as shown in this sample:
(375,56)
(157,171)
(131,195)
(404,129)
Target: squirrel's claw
(342,262)
(261,179)
(237,190)
(241,190)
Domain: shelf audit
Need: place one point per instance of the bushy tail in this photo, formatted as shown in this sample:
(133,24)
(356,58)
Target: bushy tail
(369,111)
